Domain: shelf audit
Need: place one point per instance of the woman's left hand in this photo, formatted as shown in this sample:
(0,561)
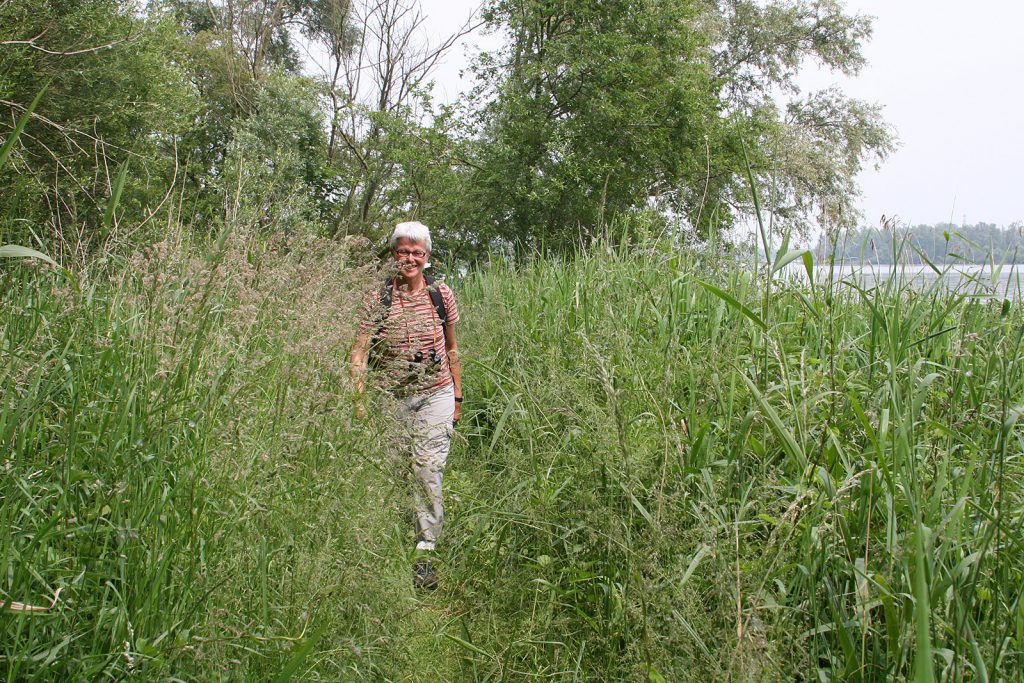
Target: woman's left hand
(458,412)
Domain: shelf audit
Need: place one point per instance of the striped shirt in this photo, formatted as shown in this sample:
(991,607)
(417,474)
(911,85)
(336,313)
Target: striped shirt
(409,330)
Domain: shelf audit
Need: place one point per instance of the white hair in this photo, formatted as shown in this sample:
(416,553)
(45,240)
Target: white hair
(411,230)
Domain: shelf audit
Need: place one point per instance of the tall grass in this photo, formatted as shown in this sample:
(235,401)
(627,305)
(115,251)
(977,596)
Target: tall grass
(184,492)
(105,453)
(670,468)
(668,484)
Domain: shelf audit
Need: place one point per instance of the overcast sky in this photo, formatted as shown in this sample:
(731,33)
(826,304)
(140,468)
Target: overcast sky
(949,76)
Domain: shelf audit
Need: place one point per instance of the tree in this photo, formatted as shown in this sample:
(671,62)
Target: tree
(597,109)
(229,51)
(941,244)
(273,171)
(382,127)
(257,32)
(113,97)
(815,145)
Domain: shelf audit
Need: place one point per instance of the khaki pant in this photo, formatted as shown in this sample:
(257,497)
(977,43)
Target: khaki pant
(425,434)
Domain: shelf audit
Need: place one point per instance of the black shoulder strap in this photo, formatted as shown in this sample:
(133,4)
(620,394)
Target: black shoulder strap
(438,301)
(385,295)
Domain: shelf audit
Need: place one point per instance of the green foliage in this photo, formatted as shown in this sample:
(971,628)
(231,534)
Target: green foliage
(19,128)
(591,112)
(672,466)
(400,166)
(104,493)
(653,477)
(819,148)
(596,110)
(16,251)
(763,45)
(113,95)
(659,479)
(167,438)
(812,150)
(255,33)
(273,170)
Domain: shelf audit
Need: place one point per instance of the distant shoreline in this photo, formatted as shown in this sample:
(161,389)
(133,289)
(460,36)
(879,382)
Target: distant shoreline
(821,260)
(943,244)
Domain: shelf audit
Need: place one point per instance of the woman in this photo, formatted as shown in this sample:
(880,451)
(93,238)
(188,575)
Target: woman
(408,334)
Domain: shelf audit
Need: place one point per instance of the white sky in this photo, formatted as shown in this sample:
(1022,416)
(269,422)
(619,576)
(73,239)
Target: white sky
(949,76)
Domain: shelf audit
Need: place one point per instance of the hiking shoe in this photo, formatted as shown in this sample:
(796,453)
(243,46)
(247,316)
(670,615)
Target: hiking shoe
(424,577)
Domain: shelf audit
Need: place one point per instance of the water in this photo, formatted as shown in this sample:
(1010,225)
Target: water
(981,280)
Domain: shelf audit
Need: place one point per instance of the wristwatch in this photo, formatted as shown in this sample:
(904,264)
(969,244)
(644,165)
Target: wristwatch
(458,399)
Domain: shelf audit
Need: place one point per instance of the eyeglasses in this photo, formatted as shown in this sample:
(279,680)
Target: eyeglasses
(406,253)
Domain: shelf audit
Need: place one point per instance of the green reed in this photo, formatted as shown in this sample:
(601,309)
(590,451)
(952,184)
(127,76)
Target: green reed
(103,492)
(827,488)
(673,466)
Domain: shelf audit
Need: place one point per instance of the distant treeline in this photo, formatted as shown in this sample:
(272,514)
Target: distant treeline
(939,243)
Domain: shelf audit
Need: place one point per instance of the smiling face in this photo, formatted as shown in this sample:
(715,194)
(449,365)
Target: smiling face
(411,256)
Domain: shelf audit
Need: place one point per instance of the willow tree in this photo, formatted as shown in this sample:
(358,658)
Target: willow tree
(599,108)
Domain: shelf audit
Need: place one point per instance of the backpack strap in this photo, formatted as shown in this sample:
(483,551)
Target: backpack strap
(438,301)
(386,295)
(381,315)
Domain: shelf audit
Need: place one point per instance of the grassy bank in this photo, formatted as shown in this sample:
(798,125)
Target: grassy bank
(669,469)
